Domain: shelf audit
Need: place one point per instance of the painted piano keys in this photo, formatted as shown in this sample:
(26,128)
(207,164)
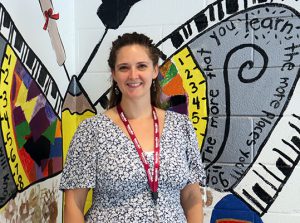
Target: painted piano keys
(248,89)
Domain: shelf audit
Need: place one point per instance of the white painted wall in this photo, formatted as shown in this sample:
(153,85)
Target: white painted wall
(153,17)
(29,19)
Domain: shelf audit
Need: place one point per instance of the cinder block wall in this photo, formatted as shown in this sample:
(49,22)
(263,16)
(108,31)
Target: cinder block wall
(231,65)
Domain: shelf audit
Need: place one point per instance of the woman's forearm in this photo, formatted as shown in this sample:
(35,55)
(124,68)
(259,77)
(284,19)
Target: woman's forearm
(74,205)
(194,214)
(191,201)
(72,214)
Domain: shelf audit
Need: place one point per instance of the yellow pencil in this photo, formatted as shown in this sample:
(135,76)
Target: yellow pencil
(76,107)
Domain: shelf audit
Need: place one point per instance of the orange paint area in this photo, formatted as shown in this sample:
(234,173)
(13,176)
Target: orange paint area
(171,83)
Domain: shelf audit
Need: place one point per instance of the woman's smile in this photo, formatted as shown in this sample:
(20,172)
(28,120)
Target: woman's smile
(134,84)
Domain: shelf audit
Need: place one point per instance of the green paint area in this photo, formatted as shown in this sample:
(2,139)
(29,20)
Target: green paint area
(50,132)
(22,130)
(172,72)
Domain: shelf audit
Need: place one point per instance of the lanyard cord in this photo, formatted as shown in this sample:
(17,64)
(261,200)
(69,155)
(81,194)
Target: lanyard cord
(152,180)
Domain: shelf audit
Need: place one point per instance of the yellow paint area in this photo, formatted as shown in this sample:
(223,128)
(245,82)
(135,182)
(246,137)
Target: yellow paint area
(27,106)
(7,126)
(70,123)
(194,84)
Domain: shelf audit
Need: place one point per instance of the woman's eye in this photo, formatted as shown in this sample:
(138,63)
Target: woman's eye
(142,66)
(123,68)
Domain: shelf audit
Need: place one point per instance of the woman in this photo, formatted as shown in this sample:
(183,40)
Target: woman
(142,162)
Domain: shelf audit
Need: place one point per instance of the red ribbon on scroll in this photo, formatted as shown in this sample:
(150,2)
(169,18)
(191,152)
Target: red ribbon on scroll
(49,14)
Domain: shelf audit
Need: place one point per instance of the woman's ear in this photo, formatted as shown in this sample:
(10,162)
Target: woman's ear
(113,74)
(156,70)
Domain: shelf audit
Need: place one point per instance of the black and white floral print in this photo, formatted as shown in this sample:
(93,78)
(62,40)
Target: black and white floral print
(102,157)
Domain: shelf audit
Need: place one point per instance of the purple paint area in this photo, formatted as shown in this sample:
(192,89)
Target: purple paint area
(13,88)
(33,91)
(39,123)
(182,109)
(44,164)
(18,115)
(50,166)
(39,173)
(56,165)
(49,112)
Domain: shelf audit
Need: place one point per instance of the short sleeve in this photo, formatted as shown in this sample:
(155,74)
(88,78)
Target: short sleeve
(196,167)
(80,167)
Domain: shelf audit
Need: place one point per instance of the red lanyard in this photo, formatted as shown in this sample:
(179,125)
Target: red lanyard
(152,180)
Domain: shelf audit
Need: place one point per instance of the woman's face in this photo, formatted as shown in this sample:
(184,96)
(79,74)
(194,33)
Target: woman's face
(134,72)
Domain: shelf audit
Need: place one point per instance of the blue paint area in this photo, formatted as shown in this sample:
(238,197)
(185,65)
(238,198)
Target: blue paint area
(56,148)
(23,74)
(232,208)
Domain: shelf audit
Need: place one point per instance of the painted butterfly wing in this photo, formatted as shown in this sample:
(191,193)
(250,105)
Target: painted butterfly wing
(31,143)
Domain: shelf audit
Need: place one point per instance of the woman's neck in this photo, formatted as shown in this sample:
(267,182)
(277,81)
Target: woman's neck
(136,110)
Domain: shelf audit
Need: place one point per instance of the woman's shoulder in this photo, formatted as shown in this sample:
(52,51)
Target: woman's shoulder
(176,121)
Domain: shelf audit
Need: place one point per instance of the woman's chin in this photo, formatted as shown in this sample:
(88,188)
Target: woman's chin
(133,95)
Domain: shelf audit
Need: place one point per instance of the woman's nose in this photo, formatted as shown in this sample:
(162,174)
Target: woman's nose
(133,73)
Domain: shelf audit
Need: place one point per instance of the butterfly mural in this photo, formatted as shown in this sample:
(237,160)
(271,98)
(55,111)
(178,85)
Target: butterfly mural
(236,94)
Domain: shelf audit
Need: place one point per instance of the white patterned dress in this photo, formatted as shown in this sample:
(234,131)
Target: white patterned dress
(102,157)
